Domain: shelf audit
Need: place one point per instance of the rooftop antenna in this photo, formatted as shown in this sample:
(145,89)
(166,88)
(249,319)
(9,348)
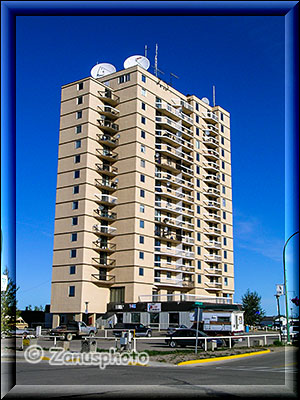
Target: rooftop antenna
(175,76)
(146,48)
(214,95)
(155,60)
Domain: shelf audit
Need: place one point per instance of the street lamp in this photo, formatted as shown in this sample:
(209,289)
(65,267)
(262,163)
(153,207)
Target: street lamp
(285,287)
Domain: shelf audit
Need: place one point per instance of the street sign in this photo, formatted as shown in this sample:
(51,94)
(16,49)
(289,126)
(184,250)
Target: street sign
(197,303)
(279,290)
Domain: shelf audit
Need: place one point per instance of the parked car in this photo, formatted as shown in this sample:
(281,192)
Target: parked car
(175,340)
(21,324)
(172,329)
(139,329)
(73,329)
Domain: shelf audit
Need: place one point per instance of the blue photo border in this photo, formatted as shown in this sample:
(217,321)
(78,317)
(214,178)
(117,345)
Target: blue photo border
(11,9)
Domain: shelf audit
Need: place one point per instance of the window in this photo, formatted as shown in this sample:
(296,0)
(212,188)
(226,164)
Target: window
(225,267)
(198,223)
(77,144)
(197,144)
(224,228)
(222,153)
(223,164)
(80,86)
(143,148)
(223,189)
(222,130)
(75,189)
(76,174)
(225,241)
(75,205)
(77,159)
(143,106)
(222,116)
(197,119)
(135,318)
(79,100)
(141,255)
(143,134)
(197,169)
(117,295)
(197,156)
(198,196)
(198,209)
(197,131)
(142,208)
(222,140)
(73,237)
(124,78)
(226,281)
(199,278)
(142,224)
(198,182)
(73,253)
(198,250)
(143,163)
(143,92)
(79,114)
(223,202)
(142,178)
(142,193)
(198,236)
(72,269)
(143,120)
(197,106)
(142,239)
(223,177)
(169,274)
(224,214)
(143,78)
(141,271)
(225,253)
(75,221)
(78,129)
(71,291)
(199,264)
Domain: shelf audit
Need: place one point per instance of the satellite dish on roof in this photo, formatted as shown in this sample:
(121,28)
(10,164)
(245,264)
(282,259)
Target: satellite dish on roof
(137,60)
(205,100)
(102,69)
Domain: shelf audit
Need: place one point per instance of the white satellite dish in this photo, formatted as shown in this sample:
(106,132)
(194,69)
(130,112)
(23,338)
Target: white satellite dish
(102,69)
(205,100)
(137,60)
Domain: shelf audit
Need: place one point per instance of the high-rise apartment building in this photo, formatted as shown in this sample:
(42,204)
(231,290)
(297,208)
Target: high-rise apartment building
(144,199)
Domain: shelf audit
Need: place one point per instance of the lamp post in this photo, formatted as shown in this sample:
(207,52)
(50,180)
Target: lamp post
(285,287)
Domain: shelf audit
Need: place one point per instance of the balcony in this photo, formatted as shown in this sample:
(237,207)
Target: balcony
(186,120)
(104,262)
(168,123)
(108,111)
(107,169)
(167,251)
(163,219)
(104,229)
(210,141)
(212,244)
(167,109)
(211,154)
(187,171)
(211,191)
(107,155)
(212,258)
(173,139)
(188,240)
(210,117)
(106,184)
(211,204)
(213,230)
(210,128)
(168,164)
(106,215)
(109,97)
(106,199)
(102,279)
(167,235)
(104,246)
(186,107)
(213,286)
(108,140)
(174,266)
(108,126)
(161,281)
(165,191)
(185,297)
(211,178)
(213,271)
(211,217)
(212,166)
(168,150)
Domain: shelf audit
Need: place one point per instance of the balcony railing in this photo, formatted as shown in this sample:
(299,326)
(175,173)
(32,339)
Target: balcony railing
(210,128)
(211,166)
(104,229)
(167,107)
(212,244)
(211,217)
(168,281)
(211,204)
(107,169)
(107,154)
(173,152)
(212,230)
(108,140)
(105,214)
(165,191)
(213,271)
(212,257)
(210,141)
(105,262)
(184,104)
(103,246)
(209,116)
(209,153)
(212,191)
(186,119)
(103,279)
(188,239)
(169,251)
(108,110)
(109,96)
(164,205)
(163,219)
(213,285)
(175,140)
(109,125)
(106,198)
(185,297)
(106,184)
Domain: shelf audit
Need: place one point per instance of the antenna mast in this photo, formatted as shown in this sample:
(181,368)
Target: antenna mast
(146,48)
(175,76)
(155,61)
(214,95)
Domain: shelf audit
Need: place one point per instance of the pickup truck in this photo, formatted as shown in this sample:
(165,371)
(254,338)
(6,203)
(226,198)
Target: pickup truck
(73,329)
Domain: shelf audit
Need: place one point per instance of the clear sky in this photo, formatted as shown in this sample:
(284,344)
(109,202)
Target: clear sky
(242,56)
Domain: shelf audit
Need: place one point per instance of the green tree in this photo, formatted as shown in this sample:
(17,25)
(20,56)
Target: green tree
(251,305)
(9,311)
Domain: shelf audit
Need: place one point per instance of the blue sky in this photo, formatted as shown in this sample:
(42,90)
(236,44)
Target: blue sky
(242,56)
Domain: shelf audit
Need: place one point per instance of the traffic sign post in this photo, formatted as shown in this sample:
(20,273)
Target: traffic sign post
(198,305)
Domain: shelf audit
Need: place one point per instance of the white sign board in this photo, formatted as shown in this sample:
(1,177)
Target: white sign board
(154,307)
(279,290)
(3,283)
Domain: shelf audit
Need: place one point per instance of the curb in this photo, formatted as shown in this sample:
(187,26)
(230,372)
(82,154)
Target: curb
(254,353)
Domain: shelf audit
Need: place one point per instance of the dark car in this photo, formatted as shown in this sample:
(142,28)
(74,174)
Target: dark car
(140,329)
(172,329)
(189,336)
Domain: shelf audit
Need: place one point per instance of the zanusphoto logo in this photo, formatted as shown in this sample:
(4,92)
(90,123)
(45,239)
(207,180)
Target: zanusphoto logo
(35,354)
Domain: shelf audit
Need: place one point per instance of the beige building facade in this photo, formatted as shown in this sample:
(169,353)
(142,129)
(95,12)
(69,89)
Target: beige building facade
(144,197)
